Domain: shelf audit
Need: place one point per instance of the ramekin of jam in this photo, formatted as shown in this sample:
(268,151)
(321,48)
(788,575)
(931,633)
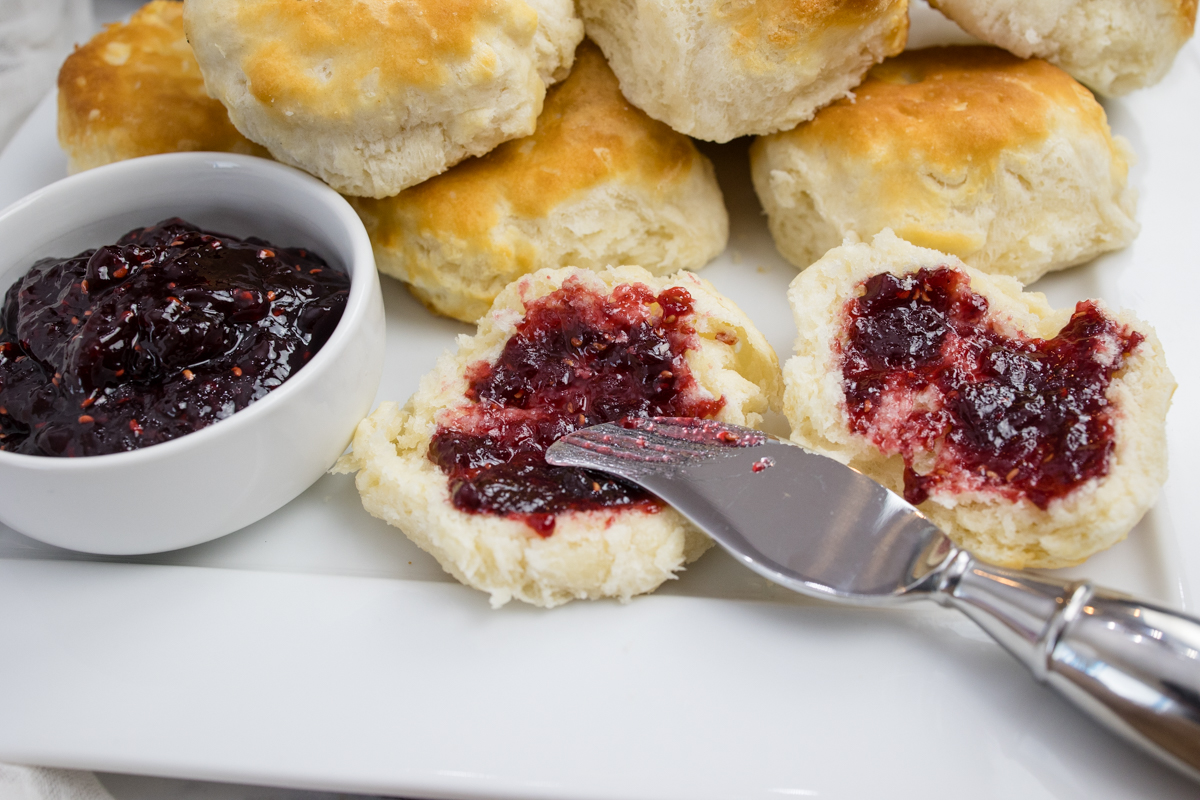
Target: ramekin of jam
(187,342)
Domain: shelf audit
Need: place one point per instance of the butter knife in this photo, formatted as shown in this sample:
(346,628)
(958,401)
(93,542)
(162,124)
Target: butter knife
(813,525)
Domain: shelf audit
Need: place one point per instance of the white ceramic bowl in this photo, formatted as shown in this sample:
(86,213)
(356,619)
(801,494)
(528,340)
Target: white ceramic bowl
(223,477)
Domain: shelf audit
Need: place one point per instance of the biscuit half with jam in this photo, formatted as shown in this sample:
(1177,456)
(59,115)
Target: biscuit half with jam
(1034,437)
(461,468)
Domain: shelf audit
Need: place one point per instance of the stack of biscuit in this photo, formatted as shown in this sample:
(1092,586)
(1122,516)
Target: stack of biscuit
(489,148)
(1004,162)
(383,104)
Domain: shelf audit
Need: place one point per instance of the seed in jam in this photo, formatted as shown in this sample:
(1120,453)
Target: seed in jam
(927,374)
(163,333)
(579,358)
(762,464)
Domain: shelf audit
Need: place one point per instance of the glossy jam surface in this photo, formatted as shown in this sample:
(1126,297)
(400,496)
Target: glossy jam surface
(578,358)
(927,375)
(159,335)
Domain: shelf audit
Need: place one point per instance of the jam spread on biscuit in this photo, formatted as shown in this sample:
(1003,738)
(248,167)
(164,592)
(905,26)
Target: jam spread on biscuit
(165,332)
(578,358)
(927,375)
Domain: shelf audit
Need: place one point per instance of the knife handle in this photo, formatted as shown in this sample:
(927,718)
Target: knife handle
(1131,665)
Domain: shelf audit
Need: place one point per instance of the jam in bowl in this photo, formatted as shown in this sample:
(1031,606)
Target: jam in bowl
(156,336)
(246,358)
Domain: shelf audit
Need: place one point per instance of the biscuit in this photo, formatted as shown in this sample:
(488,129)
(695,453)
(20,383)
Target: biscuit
(597,183)
(912,442)
(135,90)
(717,70)
(1007,164)
(1113,46)
(373,97)
(719,365)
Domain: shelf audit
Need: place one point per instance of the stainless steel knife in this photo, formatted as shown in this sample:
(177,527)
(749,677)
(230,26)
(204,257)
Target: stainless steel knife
(809,523)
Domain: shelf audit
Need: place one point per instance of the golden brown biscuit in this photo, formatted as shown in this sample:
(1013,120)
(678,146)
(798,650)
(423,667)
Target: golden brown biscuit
(718,69)
(1113,46)
(911,434)
(135,90)
(597,183)
(541,553)
(1007,164)
(373,96)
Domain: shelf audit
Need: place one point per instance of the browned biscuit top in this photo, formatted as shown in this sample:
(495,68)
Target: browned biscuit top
(951,107)
(135,89)
(587,133)
(762,26)
(1187,16)
(333,56)
(944,120)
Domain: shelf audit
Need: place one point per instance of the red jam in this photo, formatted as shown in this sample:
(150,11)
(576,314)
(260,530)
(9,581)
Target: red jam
(577,359)
(927,375)
(159,335)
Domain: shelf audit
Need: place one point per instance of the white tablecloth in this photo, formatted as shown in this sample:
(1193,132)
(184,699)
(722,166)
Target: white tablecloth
(35,783)
(35,37)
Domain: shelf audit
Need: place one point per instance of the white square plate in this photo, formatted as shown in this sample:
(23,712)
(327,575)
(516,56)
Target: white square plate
(320,649)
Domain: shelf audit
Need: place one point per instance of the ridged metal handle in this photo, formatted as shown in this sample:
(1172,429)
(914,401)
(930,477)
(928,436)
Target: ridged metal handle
(1133,666)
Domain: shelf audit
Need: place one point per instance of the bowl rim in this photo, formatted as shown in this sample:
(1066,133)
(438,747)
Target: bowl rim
(361,268)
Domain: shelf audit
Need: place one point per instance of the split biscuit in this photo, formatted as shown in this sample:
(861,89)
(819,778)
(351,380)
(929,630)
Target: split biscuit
(608,551)
(373,96)
(597,183)
(716,69)
(911,438)
(135,89)
(1113,46)
(1008,164)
